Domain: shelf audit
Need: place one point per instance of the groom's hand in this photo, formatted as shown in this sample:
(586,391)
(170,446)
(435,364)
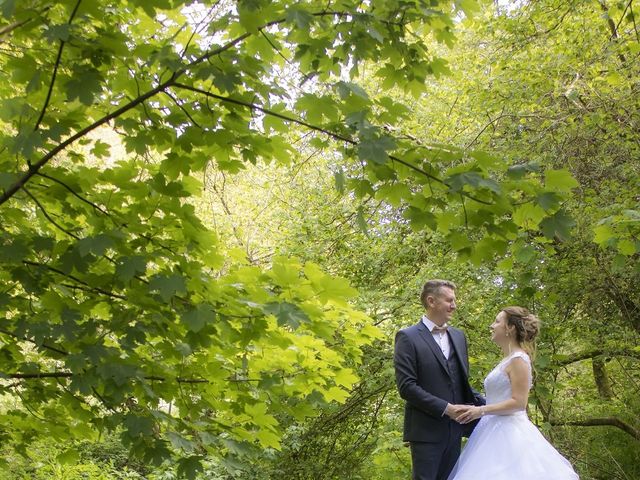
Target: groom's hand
(454,411)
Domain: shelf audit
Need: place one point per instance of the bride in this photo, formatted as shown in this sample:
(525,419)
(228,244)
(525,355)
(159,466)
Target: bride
(505,445)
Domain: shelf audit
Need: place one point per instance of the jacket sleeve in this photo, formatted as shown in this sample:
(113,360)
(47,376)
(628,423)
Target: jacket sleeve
(406,366)
(478,399)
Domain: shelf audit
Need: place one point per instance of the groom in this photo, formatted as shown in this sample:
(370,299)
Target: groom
(432,375)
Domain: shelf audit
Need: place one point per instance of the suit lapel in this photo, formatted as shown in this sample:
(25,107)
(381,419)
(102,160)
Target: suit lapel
(433,345)
(457,343)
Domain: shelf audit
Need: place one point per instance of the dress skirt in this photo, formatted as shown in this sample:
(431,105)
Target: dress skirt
(510,447)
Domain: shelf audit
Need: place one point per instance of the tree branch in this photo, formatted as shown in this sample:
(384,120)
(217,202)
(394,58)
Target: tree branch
(13,26)
(31,376)
(40,375)
(47,216)
(599,422)
(624,12)
(181,107)
(35,167)
(104,212)
(43,345)
(75,279)
(74,193)
(253,106)
(596,352)
(334,135)
(196,30)
(633,19)
(612,27)
(55,70)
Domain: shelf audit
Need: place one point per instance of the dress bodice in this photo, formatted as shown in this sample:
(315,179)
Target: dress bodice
(497,386)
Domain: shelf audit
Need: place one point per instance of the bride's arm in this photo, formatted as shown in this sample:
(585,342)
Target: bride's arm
(518,372)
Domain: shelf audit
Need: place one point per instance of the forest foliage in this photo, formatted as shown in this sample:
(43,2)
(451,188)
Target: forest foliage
(215,215)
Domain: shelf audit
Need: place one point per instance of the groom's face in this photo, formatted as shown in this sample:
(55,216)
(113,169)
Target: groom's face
(442,305)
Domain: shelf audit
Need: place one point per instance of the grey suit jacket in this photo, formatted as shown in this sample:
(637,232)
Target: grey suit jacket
(424,383)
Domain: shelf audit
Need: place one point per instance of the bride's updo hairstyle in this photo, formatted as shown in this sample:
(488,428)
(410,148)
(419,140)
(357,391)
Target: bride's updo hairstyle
(526,326)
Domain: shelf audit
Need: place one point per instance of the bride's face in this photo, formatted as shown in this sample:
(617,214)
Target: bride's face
(499,328)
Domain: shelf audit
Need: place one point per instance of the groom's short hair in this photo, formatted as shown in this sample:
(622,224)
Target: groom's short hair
(432,287)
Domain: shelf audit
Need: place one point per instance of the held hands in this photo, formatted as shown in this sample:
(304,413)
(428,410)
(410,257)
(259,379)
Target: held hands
(464,413)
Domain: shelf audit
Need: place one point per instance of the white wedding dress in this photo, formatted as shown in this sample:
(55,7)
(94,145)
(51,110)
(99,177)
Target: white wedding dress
(509,447)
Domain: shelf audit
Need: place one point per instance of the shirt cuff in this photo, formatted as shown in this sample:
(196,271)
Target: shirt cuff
(445,409)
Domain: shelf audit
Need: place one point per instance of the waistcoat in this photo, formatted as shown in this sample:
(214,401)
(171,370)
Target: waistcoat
(457,377)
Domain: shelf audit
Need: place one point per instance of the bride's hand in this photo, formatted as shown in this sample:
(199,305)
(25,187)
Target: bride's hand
(469,414)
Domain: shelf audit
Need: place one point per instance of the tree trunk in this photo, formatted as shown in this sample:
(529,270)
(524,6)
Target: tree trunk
(601,378)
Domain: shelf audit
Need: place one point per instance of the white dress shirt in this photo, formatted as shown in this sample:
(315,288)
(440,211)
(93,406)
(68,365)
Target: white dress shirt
(441,338)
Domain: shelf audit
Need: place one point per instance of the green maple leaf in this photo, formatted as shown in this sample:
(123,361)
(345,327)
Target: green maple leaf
(189,467)
(376,150)
(128,267)
(168,285)
(7,179)
(100,149)
(560,180)
(558,226)
(420,218)
(68,457)
(8,7)
(85,85)
(517,172)
(157,452)
(179,442)
(301,18)
(96,245)
(57,32)
(198,317)
(286,313)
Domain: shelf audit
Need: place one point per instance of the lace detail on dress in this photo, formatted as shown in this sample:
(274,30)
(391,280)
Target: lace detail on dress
(497,385)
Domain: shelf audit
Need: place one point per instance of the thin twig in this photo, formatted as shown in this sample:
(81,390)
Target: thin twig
(75,279)
(74,193)
(43,345)
(55,70)
(633,19)
(47,216)
(40,375)
(184,110)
